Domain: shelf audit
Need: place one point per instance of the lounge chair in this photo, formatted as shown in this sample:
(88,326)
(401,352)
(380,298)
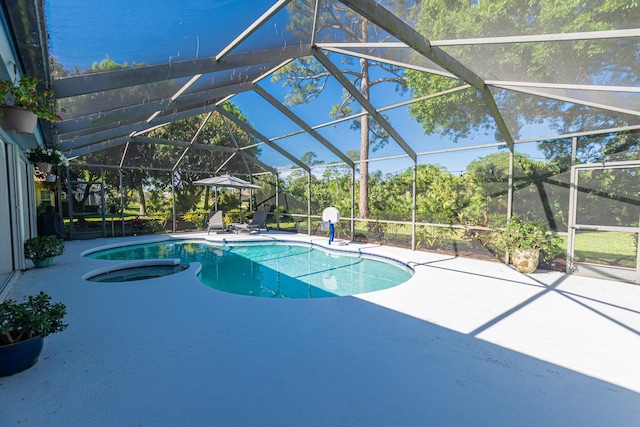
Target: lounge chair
(258,222)
(215,222)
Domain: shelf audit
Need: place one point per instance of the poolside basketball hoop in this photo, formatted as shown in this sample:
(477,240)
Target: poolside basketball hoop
(330,216)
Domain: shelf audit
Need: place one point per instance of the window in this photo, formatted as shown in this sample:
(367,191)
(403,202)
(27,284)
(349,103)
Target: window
(45,196)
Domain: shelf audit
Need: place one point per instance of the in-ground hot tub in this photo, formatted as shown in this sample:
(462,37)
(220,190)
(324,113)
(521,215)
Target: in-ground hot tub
(142,270)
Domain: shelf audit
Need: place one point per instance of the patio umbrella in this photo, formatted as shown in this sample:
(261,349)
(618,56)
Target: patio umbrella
(225,181)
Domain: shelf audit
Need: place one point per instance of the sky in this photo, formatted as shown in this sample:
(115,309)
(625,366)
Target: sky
(81,33)
(146,31)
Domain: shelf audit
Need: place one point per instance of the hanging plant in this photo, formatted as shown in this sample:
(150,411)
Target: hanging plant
(24,93)
(49,155)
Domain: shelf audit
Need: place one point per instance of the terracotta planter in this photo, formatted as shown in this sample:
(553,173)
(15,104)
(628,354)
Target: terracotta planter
(525,261)
(17,120)
(22,355)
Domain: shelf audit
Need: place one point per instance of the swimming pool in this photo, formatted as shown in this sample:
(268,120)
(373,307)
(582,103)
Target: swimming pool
(275,269)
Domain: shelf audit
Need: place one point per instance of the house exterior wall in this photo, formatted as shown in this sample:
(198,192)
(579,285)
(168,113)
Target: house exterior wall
(18,219)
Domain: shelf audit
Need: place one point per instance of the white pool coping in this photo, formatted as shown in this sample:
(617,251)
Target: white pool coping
(464,342)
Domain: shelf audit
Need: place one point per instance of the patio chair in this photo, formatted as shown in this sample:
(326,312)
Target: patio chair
(215,222)
(258,222)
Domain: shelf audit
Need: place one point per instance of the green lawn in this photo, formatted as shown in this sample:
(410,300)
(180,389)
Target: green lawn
(606,247)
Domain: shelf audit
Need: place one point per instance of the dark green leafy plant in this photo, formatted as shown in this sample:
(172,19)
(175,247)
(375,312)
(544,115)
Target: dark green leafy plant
(526,235)
(25,94)
(42,247)
(20,321)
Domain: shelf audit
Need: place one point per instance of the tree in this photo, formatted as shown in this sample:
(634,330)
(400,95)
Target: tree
(139,155)
(308,78)
(109,99)
(463,113)
(191,164)
(492,175)
(540,189)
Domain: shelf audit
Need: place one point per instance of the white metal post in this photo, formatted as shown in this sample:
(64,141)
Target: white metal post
(414,206)
(309,203)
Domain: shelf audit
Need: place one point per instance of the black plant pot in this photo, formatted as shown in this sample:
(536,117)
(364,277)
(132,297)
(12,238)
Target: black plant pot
(22,355)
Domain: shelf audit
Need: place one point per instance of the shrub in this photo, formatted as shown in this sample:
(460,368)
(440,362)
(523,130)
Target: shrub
(36,316)
(197,217)
(526,235)
(433,237)
(42,247)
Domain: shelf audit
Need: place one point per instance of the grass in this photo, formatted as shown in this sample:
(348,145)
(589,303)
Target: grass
(606,247)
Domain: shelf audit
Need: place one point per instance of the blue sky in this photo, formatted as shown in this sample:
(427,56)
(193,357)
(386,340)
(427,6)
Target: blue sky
(82,31)
(164,30)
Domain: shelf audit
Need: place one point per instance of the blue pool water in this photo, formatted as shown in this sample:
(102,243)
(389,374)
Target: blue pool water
(275,269)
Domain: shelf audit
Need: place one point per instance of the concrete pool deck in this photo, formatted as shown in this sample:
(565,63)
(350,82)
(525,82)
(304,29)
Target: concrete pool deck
(462,343)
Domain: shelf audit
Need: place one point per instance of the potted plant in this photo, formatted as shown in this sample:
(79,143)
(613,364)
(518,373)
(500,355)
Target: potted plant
(46,158)
(21,103)
(42,249)
(23,326)
(524,240)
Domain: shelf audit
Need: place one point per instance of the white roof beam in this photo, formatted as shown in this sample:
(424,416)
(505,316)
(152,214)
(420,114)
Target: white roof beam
(205,147)
(175,111)
(595,88)
(193,141)
(258,162)
(397,28)
(91,83)
(542,38)
(141,112)
(537,38)
(381,109)
(364,103)
(297,120)
(261,137)
(132,129)
(273,10)
(225,121)
(176,143)
(390,62)
(316,11)
(83,151)
(98,137)
(573,100)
